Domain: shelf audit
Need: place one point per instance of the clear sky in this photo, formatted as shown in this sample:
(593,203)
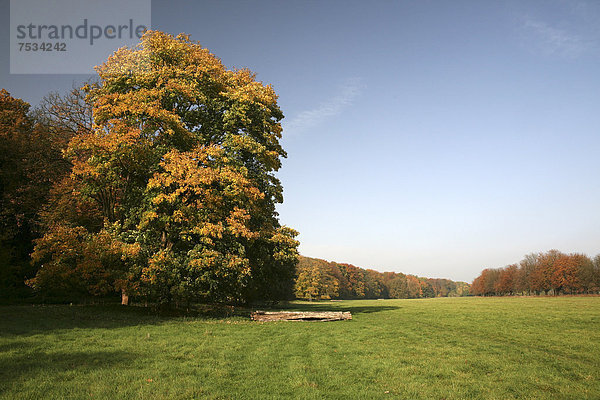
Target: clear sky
(434,138)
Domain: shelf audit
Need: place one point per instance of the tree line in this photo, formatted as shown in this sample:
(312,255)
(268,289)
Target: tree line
(318,279)
(552,272)
(154,181)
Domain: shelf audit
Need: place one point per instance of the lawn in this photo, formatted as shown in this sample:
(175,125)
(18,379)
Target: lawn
(447,348)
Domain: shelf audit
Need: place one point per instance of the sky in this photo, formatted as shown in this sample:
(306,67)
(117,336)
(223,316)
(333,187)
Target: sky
(432,138)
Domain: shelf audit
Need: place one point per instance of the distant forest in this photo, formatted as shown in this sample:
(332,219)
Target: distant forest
(318,279)
(552,272)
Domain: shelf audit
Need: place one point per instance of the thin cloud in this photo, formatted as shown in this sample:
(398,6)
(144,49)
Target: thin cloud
(334,106)
(555,41)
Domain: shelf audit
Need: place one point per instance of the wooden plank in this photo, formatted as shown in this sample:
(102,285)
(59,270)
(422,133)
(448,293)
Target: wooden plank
(300,316)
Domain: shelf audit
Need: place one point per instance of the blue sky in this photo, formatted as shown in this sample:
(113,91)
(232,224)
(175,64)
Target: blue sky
(428,137)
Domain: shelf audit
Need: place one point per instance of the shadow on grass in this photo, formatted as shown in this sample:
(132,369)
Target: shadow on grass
(28,364)
(34,319)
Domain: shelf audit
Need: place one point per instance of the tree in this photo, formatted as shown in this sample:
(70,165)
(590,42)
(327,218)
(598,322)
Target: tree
(565,273)
(541,276)
(477,286)
(397,285)
(595,274)
(315,280)
(448,288)
(506,280)
(414,288)
(180,165)
(30,163)
(552,271)
(485,283)
(527,266)
(356,280)
(320,279)
(375,287)
(589,275)
(462,289)
(16,228)
(426,288)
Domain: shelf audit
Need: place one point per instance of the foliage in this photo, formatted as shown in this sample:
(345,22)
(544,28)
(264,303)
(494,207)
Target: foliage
(173,184)
(30,163)
(318,279)
(551,272)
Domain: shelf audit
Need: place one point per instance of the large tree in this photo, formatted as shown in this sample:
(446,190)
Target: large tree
(180,166)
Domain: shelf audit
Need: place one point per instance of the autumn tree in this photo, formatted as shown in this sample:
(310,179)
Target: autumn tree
(426,288)
(442,287)
(320,279)
(507,280)
(414,288)
(594,275)
(485,283)
(315,280)
(355,277)
(589,275)
(462,289)
(180,164)
(541,276)
(477,286)
(396,284)
(15,220)
(31,163)
(527,266)
(564,276)
(550,272)
(374,286)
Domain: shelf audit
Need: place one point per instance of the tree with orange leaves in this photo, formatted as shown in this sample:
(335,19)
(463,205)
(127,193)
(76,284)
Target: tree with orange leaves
(566,273)
(180,164)
(506,281)
(550,272)
(541,276)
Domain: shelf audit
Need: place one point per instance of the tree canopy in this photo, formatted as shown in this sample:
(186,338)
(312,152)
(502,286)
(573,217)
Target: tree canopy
(31,163)
(319,279)
(174,184)
(550,272)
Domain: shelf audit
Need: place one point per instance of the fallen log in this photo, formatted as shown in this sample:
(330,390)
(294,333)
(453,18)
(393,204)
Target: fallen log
(266,316)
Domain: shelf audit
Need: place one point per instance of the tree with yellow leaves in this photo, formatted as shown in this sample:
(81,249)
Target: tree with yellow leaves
(180,162)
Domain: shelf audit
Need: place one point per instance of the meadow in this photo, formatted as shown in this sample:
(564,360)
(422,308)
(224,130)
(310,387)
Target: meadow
(443,348)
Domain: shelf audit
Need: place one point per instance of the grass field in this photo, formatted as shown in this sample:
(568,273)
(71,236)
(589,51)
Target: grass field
(451,348)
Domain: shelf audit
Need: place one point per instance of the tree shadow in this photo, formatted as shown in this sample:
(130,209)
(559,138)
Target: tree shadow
(34,319)
(23,364)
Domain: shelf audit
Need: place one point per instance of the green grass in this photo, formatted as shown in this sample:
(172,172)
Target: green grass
(456,348)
